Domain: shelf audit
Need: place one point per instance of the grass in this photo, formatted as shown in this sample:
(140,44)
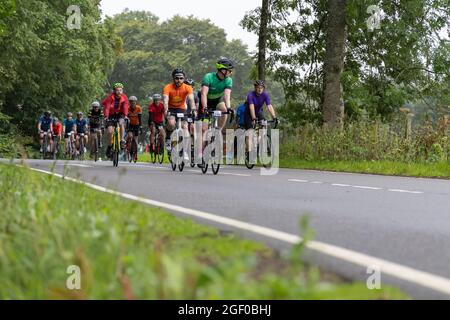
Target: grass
(430,170)
(127,250)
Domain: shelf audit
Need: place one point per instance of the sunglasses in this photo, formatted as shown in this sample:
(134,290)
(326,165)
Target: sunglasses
(177,78)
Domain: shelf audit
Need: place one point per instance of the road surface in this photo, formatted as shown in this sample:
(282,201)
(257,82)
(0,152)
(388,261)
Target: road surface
(396,224)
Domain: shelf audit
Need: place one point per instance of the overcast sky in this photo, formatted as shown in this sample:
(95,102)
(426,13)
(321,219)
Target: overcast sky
(226,14)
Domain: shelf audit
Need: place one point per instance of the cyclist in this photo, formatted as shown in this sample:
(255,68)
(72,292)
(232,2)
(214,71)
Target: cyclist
(216,90)
(254,108)
(255,103)
(57,131)
(175,95)
(191,82)
(135,116)
(95,118)
(156,119)
(45,126)
(68,128)
(115,110)
(81,129)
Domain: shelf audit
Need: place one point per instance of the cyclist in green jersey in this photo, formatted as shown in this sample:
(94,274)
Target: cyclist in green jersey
(216,90)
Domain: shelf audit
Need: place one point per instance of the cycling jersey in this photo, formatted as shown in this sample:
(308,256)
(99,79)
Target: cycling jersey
(177,95)
(156,112)
(81,125)
(258,101)
(57,128)
(46,123)
(134,115)
(69,125)
(216,85)
(115,106)
(95,118)
(196,101)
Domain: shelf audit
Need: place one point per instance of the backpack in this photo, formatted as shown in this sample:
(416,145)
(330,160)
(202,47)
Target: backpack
(240,113)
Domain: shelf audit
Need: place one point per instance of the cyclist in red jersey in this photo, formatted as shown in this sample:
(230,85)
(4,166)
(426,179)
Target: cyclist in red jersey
(156,119)
(115,109)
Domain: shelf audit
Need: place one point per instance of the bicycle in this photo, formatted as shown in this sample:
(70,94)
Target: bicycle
(55,149)
(45,144)
(131,149)
(115,148)
(214,126)
(157,148)
(71,152)
(81,154)
(260,124)
(95,144)
(174,143)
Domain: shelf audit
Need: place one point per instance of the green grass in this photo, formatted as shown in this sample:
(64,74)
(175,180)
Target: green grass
(431,170)
(128,250)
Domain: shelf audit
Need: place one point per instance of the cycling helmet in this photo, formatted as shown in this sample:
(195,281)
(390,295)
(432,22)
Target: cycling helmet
(259,83)
(55,119)
(157,97)
(69,114)
(133,98)
(178,72)
(79,113)
(190,82)
(225,63)
(96,104)
(47,113)
(117,85)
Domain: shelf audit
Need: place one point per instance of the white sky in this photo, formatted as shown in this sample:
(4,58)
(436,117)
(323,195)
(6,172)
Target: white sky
(224,13)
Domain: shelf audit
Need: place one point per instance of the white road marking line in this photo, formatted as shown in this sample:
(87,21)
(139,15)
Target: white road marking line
(316,182)
(409,274)
(235,174)
(341,185)
(365,187)
(75,165)
(296,180)
(405,191)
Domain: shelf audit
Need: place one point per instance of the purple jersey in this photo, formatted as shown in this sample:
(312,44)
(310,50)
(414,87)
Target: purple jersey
(258,101)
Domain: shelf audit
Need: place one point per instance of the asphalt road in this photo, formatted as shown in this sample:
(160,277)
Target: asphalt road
(405,222)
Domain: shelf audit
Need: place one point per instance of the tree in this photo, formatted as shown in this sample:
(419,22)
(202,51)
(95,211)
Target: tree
(152,50)
(262,42)
(333,106)
(44,65)
(405,60)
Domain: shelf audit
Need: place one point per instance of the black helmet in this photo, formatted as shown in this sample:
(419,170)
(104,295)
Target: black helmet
(225,63)
(190,82)
(258,83)
(178,72)
(47,113)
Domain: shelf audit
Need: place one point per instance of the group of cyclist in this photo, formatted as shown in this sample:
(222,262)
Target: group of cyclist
(178,97)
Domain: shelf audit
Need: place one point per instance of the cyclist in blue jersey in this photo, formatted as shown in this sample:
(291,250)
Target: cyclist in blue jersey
(45,127)
(81,127)
(68,127)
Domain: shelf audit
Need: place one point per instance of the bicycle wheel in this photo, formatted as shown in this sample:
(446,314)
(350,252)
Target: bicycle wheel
(269,153)
(153,152)
(160,153)
(247,161)
(134,151)
(44,147)
(204,166)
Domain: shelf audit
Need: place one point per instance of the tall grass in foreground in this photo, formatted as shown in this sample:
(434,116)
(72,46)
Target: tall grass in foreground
(127,250)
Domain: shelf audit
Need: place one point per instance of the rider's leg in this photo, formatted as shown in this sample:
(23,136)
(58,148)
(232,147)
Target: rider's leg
(152,136)
(222,120)
(41,140)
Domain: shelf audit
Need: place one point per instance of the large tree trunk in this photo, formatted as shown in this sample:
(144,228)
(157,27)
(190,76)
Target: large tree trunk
(333,107)
(262,42)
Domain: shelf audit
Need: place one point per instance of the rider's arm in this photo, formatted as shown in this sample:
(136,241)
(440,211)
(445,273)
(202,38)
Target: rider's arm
(204,98)
(192,102)
(39,126)
(166,103)
(252,111)
(227,98)
(271,111)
